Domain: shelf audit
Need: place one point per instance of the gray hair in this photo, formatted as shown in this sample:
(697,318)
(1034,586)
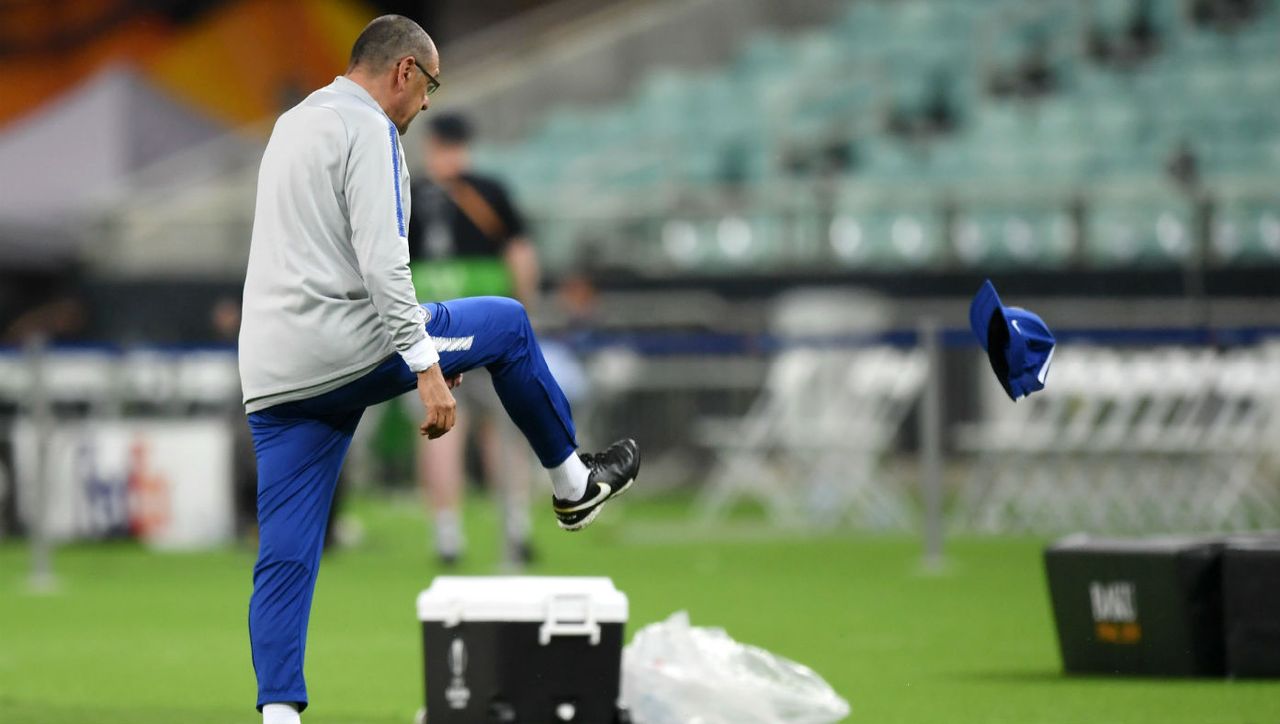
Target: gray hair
(389,38)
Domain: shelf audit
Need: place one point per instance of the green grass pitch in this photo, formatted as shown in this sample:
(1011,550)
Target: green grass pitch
(138,638)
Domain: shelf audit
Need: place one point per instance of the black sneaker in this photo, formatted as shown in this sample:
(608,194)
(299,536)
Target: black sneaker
(612,472)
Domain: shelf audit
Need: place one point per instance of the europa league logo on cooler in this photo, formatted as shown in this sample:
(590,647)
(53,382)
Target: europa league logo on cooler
(457,694)
(1115,612)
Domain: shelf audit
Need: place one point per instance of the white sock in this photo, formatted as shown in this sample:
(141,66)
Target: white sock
(280,714)
(569,478)
(448,532)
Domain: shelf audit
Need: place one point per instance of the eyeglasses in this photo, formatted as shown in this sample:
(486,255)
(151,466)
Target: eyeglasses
(433,83)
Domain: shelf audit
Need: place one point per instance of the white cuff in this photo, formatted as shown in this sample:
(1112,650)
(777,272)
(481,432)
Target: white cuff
(421,355)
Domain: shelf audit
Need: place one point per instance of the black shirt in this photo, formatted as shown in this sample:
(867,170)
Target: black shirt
(440,229)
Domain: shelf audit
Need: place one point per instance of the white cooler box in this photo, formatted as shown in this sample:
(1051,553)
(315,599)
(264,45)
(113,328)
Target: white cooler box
(522,649)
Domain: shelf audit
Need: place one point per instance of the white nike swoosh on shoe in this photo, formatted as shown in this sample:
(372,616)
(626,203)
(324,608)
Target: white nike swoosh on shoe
(605,491)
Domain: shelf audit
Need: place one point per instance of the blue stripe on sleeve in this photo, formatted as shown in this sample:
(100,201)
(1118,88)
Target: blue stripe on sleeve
(395,169)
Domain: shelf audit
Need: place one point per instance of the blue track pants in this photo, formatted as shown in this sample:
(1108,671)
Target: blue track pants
(300,447)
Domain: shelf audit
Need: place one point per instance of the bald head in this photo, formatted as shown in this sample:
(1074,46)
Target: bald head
(388,39)
(396,62)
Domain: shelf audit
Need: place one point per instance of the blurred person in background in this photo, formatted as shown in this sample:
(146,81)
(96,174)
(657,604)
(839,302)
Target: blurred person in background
(224,323)
(48,304)
(1030,78)
(467,239)
(1183,168)
(62,318)
(331,325)
(1127,47)
(1224,15)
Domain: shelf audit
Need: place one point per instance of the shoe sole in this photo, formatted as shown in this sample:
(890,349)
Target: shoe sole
(575,527)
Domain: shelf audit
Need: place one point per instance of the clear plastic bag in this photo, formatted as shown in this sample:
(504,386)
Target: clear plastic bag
(674,673)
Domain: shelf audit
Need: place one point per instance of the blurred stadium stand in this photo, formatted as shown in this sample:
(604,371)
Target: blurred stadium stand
(915,117)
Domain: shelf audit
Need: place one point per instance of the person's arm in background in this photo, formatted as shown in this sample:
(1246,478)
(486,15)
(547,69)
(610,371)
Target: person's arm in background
(519,254)
(379,235)
(522,264)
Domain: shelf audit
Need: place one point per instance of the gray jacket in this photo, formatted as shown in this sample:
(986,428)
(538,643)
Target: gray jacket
(328,294)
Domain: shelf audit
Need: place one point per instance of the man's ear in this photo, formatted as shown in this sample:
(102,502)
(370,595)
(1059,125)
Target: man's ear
(404,72)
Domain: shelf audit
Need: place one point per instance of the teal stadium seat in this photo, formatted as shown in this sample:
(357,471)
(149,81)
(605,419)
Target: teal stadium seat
(1201,45)
(1262,78)
(1115,129)
(886,237)
(952,162)
(1247,231)
(893,162)
(817,54)
(559,239)
(725,244)
(1012,236)
(865,24)
(1144,232)
(1112,16)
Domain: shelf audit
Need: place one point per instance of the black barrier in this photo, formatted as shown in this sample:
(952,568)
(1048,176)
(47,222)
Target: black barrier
(1167,606)
(1251,605)
(1148,607)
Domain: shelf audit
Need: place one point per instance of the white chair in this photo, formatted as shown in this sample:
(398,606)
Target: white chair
(1165,439)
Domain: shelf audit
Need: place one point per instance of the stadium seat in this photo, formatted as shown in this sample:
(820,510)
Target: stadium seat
(1139,232)
(887,237)
(1247,231)
(785,98)
(993,237)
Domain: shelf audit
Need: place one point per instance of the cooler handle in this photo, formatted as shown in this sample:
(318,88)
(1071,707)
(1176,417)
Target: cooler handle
(555,626)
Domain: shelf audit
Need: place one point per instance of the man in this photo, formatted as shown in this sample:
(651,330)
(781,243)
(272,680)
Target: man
(331,325)
(467,239)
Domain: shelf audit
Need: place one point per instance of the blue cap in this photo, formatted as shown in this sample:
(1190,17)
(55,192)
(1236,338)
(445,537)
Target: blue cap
(1018,343)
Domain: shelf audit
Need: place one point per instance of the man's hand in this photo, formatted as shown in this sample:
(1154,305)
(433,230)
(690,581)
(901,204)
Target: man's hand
(434,392)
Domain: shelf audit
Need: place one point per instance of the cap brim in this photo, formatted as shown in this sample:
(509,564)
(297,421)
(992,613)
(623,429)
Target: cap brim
(998,344)
(985,303)
(987,319)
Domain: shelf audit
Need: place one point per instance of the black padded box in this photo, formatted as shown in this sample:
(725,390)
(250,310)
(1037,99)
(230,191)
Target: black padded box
(1144,607)
(1251,606)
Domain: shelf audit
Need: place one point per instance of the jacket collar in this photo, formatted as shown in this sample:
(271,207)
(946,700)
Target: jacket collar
(343,84)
